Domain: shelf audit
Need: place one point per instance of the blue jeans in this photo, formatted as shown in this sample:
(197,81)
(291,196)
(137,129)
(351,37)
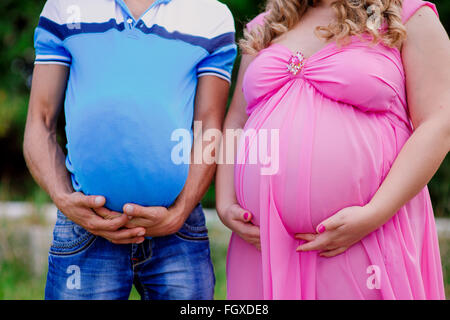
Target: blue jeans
(83,266)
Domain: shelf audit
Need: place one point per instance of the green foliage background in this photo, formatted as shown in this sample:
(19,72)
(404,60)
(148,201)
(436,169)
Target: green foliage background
(17,22)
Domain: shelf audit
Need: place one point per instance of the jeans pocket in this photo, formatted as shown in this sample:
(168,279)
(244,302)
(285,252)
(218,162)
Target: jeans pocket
(68,237)
(194,228)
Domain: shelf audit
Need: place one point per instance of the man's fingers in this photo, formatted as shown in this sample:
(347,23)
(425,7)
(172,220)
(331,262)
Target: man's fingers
(137,222)
(133,210)
(96,223)
(123,235)
(128,241)
(106,213)
(90,201)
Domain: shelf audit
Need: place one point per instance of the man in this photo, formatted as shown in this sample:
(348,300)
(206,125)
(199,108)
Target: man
(130,72)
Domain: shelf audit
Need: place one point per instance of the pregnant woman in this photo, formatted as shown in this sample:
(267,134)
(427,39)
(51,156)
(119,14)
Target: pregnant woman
(347,215)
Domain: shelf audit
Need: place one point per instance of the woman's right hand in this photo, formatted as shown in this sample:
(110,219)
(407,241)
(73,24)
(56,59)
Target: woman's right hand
(239,221)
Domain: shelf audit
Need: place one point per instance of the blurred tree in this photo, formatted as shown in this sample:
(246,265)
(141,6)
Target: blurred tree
(17,22)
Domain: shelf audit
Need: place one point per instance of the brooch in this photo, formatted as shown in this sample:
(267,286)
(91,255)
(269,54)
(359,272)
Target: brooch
(296,63)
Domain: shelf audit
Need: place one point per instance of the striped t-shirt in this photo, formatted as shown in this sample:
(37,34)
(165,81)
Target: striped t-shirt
(132,83)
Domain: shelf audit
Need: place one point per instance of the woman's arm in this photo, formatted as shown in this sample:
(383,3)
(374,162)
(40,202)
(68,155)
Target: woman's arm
(231,214)
(426,59)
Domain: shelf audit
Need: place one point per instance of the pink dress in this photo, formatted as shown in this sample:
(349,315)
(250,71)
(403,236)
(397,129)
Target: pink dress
(342,120)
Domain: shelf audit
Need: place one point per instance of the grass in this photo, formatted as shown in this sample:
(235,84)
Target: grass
(17,283)
(445,256)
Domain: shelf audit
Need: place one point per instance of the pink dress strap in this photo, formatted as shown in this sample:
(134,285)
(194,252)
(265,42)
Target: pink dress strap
(257,21)
(410,7)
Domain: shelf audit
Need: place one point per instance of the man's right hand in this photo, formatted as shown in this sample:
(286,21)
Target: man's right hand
(80,209)
(46,160)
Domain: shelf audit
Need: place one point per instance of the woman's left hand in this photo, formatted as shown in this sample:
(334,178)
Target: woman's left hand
(339,232)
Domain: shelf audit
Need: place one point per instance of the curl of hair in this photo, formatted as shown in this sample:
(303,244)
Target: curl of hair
(353,18)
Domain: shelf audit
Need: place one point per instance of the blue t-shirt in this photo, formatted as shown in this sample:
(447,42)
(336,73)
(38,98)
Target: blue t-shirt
(132,83)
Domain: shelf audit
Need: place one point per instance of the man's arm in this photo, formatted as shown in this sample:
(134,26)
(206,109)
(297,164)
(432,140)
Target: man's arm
(211,100)
(43,155)
(46,162)
(210,105)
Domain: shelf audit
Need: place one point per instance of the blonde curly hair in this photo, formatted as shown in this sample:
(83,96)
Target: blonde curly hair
(353,17)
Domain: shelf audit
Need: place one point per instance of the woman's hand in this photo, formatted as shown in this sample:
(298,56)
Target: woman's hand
(339,232)
(239,221)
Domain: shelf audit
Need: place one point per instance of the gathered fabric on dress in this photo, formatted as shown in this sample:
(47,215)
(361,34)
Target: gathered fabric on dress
(342,120)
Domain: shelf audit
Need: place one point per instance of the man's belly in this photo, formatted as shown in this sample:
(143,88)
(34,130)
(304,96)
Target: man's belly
(124,153)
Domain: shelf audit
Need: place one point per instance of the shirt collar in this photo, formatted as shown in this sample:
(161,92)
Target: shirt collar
(161,1)
(154,4)
(157,2)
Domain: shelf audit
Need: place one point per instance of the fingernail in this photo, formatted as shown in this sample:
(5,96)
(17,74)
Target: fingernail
(140,241)
(140,234)
(321,228)
(98,201)
(246,215)
(129,208)
(130,217)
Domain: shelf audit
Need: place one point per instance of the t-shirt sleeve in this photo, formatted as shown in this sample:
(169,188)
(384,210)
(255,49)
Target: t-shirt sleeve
(410,7)
(222,50)
(48,39)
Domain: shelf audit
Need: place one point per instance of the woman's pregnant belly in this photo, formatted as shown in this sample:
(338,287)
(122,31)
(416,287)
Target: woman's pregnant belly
(122,149)
(331,156)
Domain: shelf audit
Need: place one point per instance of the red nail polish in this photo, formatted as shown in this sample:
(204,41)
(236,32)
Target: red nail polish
(246,216)
(321,229)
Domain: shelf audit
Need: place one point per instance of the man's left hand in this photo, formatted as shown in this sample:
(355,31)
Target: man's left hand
(158,221)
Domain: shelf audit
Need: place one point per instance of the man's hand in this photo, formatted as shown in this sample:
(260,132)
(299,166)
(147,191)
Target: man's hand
(157,221)
(79,208)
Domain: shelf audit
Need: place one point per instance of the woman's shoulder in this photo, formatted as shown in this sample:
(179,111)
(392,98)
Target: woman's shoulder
(410,7)
(257,21)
